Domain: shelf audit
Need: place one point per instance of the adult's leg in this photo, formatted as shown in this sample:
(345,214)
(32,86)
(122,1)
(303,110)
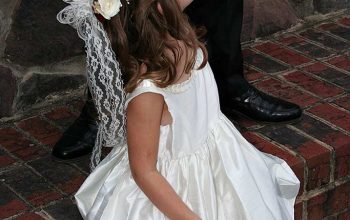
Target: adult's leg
(223,20)
(79,138)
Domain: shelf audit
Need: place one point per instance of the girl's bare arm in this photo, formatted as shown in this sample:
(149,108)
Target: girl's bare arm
(144,114)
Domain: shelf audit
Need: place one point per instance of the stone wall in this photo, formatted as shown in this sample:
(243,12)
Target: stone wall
(40,59)
(43,60)
(305,8)
(264,17)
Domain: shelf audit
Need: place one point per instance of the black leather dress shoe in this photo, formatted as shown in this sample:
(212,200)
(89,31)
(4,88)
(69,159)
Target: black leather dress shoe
(259,106)
(78,140)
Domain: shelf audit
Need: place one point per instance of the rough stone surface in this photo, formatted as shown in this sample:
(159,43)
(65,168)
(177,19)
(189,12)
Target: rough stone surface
(6,10)
(37,38)
(303,7)
(38,86)
(8,91)
(263,17)
(324,6)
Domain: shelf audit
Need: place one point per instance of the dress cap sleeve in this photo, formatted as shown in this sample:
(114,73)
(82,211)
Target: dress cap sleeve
(145,86)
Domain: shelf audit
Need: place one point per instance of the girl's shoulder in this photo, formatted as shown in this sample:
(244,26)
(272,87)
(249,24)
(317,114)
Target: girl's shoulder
(145,86)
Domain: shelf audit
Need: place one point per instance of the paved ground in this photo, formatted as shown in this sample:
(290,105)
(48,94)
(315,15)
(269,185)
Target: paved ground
(310,67)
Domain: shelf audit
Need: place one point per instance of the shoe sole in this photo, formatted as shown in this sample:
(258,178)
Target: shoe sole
(235,112)
(77,159)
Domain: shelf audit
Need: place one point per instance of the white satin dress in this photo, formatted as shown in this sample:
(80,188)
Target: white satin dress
(211,166)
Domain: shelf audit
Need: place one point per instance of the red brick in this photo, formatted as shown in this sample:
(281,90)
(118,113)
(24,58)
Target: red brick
(60,113)
(344,21)
(287,40)
(30,153)
(243,121)
(339,198)
(35,189)
(283,54)
(325,72)
(345,215)
(339,141)
(298,211)
(262,62)
(72,185)
(287,92)
(318,162)
(294,162)
(305,47)
(332,114)
(62,175)
(317,87)
(247,52)
(338,30)
(17,144)
(330,74)
(41,130)
(5,160)
(29,216)
(324,39)
(61,116)
(43,197)
(317,157)
(330,202)
(268,147)
(340,62)
(343,102)
(13,140)
(11,208)
(316,207)
(343,164)
(327,26)
(10,204)
(252,75)
(315,68)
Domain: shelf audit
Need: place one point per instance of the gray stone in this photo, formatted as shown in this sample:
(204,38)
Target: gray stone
(38,87)
(303,8)
(37,38)
(6,9)
(264,17)
(8,91)
(325,6)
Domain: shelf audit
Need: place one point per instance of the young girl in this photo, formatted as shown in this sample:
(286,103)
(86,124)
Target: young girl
(183,159)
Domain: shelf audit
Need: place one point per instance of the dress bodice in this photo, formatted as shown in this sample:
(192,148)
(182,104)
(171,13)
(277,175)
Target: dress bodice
(194,107)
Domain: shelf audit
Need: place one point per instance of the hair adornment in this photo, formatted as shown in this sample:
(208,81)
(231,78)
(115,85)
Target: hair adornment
(108,8)
(104,76)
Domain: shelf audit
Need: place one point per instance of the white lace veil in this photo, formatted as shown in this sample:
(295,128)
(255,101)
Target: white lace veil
(103,75)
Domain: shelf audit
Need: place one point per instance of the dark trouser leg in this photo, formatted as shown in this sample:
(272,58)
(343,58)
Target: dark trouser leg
(79,138)
(223,20)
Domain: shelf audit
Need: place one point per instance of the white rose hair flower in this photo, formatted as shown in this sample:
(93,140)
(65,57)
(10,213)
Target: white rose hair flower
(107,8)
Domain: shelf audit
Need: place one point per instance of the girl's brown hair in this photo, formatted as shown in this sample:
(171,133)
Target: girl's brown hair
(140,34)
